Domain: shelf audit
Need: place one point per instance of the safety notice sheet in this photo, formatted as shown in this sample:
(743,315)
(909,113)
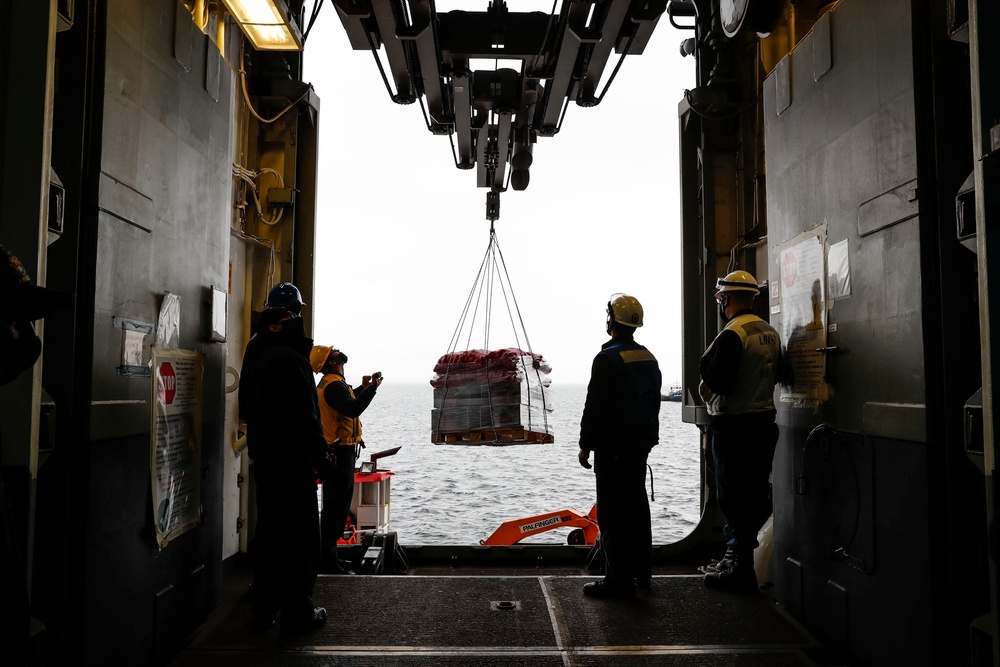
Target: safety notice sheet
(176,442)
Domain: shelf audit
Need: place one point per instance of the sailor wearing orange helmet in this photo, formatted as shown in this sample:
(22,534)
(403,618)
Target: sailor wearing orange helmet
(340,409)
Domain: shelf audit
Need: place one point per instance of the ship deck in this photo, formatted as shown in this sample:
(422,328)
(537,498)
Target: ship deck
(509,618)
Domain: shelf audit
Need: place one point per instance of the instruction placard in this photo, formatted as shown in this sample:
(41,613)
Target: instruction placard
(802,322)
(176,442)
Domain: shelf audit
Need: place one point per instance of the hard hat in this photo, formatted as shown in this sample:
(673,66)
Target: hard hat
(321,353)
(286,296)
(625,309)
(737,281)
(318,357)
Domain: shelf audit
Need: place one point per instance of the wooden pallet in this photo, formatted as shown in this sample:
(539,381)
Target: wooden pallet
(507,435)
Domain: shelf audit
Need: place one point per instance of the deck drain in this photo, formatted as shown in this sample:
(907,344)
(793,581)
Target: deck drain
(505,605)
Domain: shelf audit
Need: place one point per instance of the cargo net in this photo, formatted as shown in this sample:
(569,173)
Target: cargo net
(498,397)
(491,397)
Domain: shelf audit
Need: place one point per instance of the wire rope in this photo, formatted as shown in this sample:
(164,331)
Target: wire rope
(614,73)
(317,6)
(381,69)
(524,329)
(492,275)
(456,336)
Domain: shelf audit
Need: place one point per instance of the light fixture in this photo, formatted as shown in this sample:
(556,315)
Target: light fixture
(266,24)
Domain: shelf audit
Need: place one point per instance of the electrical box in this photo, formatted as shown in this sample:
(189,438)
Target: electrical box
(371,500)
(280,196)
(57,206)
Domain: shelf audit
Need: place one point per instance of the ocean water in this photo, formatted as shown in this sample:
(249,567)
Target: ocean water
(459,494)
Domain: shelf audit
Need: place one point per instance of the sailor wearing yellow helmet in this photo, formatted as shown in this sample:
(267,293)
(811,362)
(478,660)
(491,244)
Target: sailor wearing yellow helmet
(620,424)
(738,373)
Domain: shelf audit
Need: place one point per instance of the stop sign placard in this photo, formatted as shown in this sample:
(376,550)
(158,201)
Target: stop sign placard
(166,383)
(789,268)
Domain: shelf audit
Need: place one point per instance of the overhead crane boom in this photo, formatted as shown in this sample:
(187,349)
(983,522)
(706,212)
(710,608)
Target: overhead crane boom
(495,116)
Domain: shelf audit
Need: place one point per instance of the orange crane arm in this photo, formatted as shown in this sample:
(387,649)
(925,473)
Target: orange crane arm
(515,530)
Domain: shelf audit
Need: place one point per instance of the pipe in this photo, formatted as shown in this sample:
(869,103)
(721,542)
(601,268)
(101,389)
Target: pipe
(220,30)
(200,14)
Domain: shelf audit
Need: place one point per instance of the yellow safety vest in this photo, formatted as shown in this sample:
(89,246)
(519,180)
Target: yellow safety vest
(758,369)
(337,428)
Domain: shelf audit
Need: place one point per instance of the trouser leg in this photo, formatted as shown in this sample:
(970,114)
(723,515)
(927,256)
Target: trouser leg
(732,486)
(759,505)
(623,517)
(642,552)
(264,555)
(299,550)
(742,455)
(337,496)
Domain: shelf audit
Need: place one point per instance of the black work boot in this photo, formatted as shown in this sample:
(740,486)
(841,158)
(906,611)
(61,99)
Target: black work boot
(264,621)
(295,625)
(724,563)
(738,576)
(609,589)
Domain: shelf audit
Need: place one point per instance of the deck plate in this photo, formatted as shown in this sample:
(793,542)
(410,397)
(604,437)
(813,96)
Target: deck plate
(534,621)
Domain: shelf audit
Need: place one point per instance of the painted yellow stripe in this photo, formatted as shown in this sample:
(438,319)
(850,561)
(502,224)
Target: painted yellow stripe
(628,356)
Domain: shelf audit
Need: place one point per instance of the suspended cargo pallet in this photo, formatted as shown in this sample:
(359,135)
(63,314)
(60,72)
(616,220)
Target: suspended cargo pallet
(491,397)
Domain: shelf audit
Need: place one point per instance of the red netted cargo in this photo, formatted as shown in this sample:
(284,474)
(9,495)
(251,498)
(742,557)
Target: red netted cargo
(493,397)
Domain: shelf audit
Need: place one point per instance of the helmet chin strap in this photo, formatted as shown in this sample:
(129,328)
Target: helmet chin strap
(723,305)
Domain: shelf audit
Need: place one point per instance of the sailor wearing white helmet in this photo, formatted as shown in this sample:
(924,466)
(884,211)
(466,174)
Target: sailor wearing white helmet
(738,373)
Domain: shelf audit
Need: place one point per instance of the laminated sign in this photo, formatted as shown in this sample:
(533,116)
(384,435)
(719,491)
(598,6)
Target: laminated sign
(176,441)
(802,322)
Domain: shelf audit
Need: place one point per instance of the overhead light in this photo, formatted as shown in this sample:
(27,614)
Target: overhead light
(266,24)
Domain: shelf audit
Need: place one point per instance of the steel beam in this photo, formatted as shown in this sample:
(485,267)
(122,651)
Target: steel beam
(423,36)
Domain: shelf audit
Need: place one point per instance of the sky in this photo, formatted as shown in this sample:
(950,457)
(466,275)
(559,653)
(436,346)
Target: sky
(402,232)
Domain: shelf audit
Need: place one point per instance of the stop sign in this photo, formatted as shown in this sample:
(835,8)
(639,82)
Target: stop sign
(789,268)
(166,383)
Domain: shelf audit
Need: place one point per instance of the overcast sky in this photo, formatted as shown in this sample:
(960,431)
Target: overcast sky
(402,231)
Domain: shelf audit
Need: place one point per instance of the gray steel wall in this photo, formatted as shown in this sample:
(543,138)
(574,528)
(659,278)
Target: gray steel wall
(165,207)
(842,150)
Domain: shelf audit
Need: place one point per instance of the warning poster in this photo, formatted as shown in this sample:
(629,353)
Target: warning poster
(176,442)
(801,267)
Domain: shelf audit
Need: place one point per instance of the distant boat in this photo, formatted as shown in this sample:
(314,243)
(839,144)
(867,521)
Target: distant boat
(675,394)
